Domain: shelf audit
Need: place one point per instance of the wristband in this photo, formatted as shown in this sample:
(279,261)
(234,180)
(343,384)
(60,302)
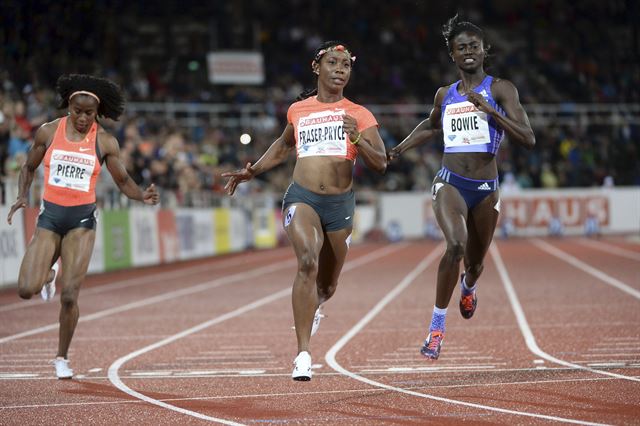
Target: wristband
(357,139)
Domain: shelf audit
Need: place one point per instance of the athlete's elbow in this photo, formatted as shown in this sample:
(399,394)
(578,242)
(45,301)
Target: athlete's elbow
(381,165)
(530,140)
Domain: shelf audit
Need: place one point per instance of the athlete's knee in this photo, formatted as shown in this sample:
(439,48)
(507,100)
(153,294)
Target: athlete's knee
(455,250)
(69,297)
(325,292)
(24,292)
(308,264)
(475,269)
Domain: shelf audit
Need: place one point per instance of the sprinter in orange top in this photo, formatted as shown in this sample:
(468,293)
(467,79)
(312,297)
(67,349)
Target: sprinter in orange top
(327,131)
(73,149)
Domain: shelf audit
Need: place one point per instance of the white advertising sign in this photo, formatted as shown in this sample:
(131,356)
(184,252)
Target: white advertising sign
(235,67)
(11,246)
(145,243)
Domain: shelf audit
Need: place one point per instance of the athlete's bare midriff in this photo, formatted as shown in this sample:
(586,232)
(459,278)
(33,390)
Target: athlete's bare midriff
(473,165)
(324,175)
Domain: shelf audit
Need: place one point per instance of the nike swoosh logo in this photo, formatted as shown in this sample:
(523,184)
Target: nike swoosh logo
(85,149)
(347,218)
(84,220)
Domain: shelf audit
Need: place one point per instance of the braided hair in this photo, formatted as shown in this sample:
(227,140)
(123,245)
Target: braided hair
(111,97)
(455,26)
(317,56)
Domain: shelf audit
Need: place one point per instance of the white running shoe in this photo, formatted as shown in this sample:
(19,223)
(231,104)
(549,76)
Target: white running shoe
(302,367)
(49,289)
(317,317)
(62,368)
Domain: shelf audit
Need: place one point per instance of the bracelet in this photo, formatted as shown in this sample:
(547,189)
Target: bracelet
(357,139)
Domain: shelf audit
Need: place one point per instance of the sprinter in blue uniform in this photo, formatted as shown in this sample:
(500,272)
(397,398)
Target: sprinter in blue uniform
(472,115)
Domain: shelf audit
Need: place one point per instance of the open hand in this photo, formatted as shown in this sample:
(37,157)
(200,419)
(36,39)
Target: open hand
(20,203)
(237,177)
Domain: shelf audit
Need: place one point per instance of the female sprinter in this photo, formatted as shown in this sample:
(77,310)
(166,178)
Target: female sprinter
(327,131)
(73,149)
(473,114)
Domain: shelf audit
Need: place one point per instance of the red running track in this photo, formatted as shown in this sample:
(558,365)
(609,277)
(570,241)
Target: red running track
(556,338)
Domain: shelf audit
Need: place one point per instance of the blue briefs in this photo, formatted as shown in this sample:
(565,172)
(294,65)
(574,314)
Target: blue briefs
(472,190)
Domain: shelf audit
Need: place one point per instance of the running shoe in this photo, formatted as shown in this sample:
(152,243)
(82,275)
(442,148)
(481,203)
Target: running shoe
(62,368)
(468,303)
(317,317)
(49,288)
(302,367)
(431,347)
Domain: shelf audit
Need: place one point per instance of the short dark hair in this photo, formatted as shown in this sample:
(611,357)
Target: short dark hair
(111,97)
(455,26)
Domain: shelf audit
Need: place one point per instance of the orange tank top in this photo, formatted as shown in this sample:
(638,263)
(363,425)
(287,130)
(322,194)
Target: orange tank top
(71,169)
(318,127)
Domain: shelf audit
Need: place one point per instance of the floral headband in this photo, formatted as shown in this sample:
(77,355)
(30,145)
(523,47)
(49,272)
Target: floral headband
(338,47)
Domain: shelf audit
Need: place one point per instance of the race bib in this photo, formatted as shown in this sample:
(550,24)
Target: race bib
(321,133)
(71,170)
(463,124)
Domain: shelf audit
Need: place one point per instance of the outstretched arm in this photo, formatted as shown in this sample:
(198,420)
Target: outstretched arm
(516,122)
(424,131)
(274,155)
(27,171)
(109,147)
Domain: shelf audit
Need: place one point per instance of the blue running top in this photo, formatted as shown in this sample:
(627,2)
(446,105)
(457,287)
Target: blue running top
(467,129)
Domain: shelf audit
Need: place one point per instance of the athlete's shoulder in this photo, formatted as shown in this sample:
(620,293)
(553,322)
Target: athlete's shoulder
(304,103)
(51,125)
(46,131)
(502,83)
(502,87)
(348,103)
(442,91)
(107,142)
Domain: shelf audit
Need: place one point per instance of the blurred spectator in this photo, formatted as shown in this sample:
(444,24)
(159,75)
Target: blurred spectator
(591,58)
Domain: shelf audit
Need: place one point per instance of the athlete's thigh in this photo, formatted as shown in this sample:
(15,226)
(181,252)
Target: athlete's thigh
(450,210)
(41,253)
(481,226)
(333,254)
(303,228)
(75,253)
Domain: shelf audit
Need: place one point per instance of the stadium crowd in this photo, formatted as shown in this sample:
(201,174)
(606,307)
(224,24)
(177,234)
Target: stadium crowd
(555,53)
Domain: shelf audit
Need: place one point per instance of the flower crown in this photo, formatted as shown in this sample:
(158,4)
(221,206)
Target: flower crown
(337,47)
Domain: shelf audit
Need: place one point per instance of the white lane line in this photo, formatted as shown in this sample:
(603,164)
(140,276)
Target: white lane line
(566,257)
(414,359)
(524,325)
(330,356)
(609,355)
(146,279)
(18,376)
(275,372)
(242,276)
(610,248)
(238,352)
(418,368)
(288,395)
(113,369)
(117,382)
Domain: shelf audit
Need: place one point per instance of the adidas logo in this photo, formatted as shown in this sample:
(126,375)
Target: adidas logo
(485,187)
